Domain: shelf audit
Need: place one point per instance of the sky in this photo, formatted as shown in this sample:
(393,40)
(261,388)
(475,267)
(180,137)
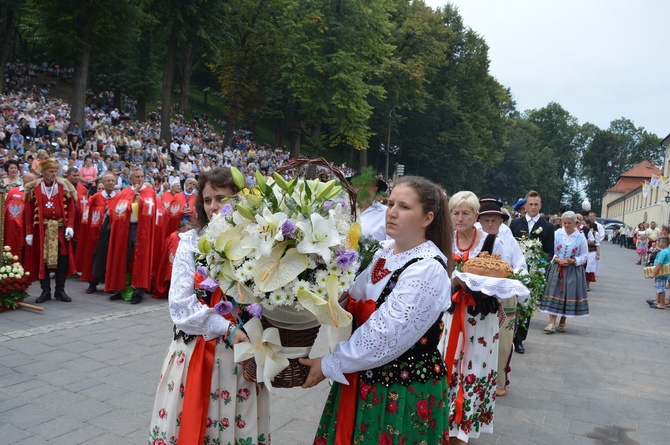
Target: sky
(600,60)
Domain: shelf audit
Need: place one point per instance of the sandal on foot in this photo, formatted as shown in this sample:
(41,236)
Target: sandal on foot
(501,392)
(561,327)
(650,302)
(549,329)
(655,306)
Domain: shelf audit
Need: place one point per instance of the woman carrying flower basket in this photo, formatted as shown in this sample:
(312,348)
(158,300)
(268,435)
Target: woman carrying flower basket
(202,392)
(391,380)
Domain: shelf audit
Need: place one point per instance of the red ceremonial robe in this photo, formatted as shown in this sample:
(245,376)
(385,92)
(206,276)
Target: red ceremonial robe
(14,231)
(82,204)
(91,227)
(159,237)
(142,259)
(175,211)
(166,197)
(39,207)
(164,273)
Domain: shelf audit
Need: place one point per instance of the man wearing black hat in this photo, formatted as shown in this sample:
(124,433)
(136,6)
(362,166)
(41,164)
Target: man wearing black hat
(491,219)
(532,225)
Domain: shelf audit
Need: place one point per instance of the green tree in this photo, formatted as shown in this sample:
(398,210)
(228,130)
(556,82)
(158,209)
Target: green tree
(613,151)
(10,11)
(332,49)
(248,59)
(75,31)
(561,141)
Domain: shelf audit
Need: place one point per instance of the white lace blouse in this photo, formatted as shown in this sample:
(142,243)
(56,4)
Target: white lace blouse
(188,314)
(422,294)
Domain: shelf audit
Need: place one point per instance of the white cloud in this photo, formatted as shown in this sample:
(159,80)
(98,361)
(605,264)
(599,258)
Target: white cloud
(600,59)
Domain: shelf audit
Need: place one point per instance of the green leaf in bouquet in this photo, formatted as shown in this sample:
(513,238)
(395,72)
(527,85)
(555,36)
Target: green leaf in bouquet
(245,212)
(280,268)
(325,189)
(327,311)
(260,180)
(334,192)
(367,247)
(238,177)
(203,245)
(281,182)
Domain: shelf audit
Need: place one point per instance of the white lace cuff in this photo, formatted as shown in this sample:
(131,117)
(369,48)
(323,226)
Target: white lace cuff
(502,288)
(330,366)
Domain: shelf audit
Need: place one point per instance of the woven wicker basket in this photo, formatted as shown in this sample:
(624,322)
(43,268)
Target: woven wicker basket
(665,270)
(295,374)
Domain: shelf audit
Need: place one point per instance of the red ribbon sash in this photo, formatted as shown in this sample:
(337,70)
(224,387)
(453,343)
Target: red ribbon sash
(461,299)
(198,383)
(344,429)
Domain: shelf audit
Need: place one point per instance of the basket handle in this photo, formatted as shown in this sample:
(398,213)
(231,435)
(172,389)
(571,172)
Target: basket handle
(322,162)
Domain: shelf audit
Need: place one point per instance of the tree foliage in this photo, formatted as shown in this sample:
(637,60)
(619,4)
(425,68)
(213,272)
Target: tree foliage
(337,76)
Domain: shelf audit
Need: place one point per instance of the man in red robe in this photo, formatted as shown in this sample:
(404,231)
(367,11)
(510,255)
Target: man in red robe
(92,225)
(14,231)
(72,174)
(164,272)
(131,239)
(182,207)
(166,197)
(49,221)
(159,237)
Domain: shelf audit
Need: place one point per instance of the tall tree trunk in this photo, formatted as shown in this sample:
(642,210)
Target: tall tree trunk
(295,145)
(278,137)
(188,68)
(228,135)
(7,43)
(363,159)
(80,79)
(142,109)
(166,89)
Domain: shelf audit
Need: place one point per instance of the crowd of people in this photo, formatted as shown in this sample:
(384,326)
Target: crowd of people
(109,203)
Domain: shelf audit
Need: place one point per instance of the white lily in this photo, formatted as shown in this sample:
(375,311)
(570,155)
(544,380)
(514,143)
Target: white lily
(319,236)
(267,230)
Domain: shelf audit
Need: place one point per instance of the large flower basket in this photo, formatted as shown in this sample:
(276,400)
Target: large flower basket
(14,282)
(288,248)
(294,374)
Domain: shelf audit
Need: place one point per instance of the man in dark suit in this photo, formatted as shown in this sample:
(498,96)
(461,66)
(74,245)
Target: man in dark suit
(532,226)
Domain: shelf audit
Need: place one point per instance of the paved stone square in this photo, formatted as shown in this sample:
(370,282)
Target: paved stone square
(86,372)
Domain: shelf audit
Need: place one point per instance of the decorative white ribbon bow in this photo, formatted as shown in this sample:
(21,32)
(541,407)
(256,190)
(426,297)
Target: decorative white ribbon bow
(265,347)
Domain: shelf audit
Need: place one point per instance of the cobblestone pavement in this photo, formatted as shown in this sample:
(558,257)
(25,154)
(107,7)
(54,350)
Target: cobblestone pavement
(86,372)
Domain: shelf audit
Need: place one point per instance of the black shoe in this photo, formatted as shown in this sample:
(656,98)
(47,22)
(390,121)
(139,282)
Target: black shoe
(45,296)
(91,289)
(115,297)
(138,294)
(62,296)
(518,348)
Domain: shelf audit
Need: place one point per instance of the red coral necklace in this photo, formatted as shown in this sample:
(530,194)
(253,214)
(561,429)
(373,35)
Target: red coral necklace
(379,271)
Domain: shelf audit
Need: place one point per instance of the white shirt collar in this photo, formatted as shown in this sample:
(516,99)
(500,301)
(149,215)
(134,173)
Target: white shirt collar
(534,219)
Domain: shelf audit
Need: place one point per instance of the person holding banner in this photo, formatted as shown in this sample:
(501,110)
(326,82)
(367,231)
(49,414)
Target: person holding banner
(202,392)
(391,382)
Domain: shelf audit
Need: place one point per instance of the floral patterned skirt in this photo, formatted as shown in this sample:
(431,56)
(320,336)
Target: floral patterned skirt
(238,412)
(392,415)
(475,368)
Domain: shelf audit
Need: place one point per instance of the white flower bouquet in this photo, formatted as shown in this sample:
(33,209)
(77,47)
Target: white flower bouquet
(14,281)
(535,280)
(289,248)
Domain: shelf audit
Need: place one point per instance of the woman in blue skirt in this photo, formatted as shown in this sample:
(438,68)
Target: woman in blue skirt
(565,294)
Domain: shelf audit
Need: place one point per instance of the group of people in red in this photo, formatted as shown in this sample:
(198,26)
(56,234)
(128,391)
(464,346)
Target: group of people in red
(125,239)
